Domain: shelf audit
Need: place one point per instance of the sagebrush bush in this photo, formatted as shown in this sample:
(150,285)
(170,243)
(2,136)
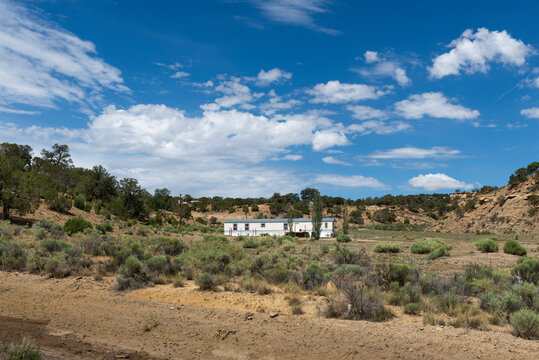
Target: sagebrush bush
(53,246)
(387,248)
(104,228)
(343,238)
(525,324)
(250,243)
(313,277)
(437,253)
(400,273)
(427,246)
(169,245)
(79,202)
(207,282)
(514,248)
(22,351)
(412,308)
(75,225)
(527,269)
(12,255)
(486,245)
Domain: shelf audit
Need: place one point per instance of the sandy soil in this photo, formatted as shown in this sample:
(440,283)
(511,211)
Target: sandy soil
(81,318)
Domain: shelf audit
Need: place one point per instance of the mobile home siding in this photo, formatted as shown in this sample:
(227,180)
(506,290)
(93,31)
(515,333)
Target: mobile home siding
(276,227)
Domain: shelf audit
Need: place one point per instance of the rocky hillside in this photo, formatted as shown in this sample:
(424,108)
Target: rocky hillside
(509,209)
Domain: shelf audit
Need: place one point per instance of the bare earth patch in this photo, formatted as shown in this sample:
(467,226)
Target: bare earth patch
(88,318)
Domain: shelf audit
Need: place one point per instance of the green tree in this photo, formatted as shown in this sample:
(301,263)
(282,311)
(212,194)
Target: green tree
(58,155)
(345,220)
(132,199)
(308,194)
(317,216)
(19,188)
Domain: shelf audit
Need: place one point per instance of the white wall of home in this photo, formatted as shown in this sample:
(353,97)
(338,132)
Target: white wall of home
(240,228)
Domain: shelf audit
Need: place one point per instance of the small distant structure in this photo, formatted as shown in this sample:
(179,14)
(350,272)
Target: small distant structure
(302,227)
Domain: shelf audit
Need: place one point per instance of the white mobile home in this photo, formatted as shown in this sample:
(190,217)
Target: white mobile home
(277,227)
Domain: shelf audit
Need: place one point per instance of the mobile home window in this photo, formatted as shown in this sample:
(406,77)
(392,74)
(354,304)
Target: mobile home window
(286,226)
(234,226)
(326,225)
(262,225)
(246,226)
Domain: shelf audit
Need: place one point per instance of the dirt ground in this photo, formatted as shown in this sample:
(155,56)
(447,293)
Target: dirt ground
(79,318)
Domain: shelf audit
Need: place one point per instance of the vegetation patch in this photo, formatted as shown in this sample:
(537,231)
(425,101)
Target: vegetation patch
(514,248)
(387,248)
(486,245)
(427,246)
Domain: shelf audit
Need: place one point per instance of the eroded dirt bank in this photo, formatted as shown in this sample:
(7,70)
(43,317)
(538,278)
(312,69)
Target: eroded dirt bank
(84,316)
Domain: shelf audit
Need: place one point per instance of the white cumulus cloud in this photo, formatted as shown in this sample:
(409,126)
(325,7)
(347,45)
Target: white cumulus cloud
(433,104)
(362,112)
(472,52)
(433,182)
(272,76)
(371,56)
(336,92)
(378,127)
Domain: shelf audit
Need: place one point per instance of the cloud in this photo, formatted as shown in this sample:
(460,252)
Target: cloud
(433,104)
(335,161)
(385,69)
(235,94)
(351,181)
(378,127)
(325,139)
(532,113)
(41,63)
(415,153)
(265,78)
(276,104)
(371,57)
(18,111)
(433,182)
(220,152)
(418,165)
(291,157)
(361,112)
(179,75)
(295,12)
(335,92)
(174,66)
(472,52)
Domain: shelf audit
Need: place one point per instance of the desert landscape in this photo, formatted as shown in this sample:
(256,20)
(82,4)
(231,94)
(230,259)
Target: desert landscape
(165,291)
(269,180)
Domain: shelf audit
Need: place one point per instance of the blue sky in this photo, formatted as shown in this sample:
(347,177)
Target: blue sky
(247,98)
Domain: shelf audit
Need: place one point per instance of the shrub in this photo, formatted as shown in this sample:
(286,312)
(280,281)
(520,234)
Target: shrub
(427,246)
(169,245)
(23,351)
(206,282)
(215,254)
(400,273)
(57,266)
(158,265)
(525,324)
(297,310)
(342,255)
(387,248)
(75,225)
(437,253)
(201,221)
(53,246)
(384,216)
(12,255)
(79,202)
(343,238)
(412,308)
(313,277)
(486,245)
(527,269)
(514,248)
(51,229)
(104,228)
(56,202)
(250,243)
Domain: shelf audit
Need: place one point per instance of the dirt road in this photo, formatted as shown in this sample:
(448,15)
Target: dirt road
(84,319)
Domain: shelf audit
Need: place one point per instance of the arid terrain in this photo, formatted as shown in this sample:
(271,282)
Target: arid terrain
(82,318)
